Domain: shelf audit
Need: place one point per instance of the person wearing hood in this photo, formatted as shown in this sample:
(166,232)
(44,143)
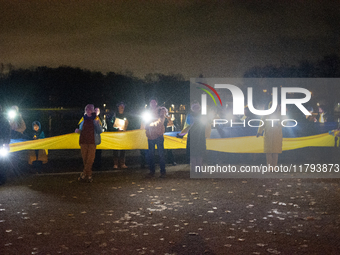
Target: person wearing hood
(37,157)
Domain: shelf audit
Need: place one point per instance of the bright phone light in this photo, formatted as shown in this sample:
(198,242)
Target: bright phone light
(146,116)
(12,114)
(3,151)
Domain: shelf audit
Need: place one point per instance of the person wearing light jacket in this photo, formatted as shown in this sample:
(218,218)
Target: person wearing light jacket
(17,123)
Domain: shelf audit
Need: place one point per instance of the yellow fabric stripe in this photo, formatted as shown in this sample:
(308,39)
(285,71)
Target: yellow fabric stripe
(136,139)
(252,144)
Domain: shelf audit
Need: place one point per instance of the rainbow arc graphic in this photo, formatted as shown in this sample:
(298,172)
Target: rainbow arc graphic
(209,93)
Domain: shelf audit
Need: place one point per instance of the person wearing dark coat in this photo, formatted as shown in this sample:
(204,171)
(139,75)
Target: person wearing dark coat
(97,164)
(89,129)
(5,139)
(170,155)
(198,131)
(120,124)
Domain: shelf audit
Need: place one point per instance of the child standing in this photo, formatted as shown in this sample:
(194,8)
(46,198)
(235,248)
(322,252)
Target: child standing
(37,157)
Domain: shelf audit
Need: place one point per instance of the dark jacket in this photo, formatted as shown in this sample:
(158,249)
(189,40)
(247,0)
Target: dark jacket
(5,130)
(37,134)
(91,123)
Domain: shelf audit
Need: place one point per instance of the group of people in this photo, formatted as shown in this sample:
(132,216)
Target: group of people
(320,116)
(91,126)
(18,130)
(12,126)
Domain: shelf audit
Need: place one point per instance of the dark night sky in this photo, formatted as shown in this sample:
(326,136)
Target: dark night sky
(216,38)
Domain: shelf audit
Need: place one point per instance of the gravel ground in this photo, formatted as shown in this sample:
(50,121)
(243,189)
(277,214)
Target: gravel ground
(122,212)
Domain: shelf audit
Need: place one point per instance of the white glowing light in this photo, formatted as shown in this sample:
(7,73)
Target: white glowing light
(3,151)
(146,116)
(12,114)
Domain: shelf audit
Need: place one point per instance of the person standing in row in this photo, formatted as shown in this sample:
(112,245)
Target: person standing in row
(120,125)
(272,136)
(17,123)
(97,164)
(169,123)
(37,157)
(199,130)
(5,139)
(90,130)
(154,129)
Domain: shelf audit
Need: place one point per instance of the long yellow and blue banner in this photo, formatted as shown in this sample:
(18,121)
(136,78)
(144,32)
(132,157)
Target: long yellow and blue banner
(136,139)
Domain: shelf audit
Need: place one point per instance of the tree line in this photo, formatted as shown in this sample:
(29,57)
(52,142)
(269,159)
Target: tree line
(71,87)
